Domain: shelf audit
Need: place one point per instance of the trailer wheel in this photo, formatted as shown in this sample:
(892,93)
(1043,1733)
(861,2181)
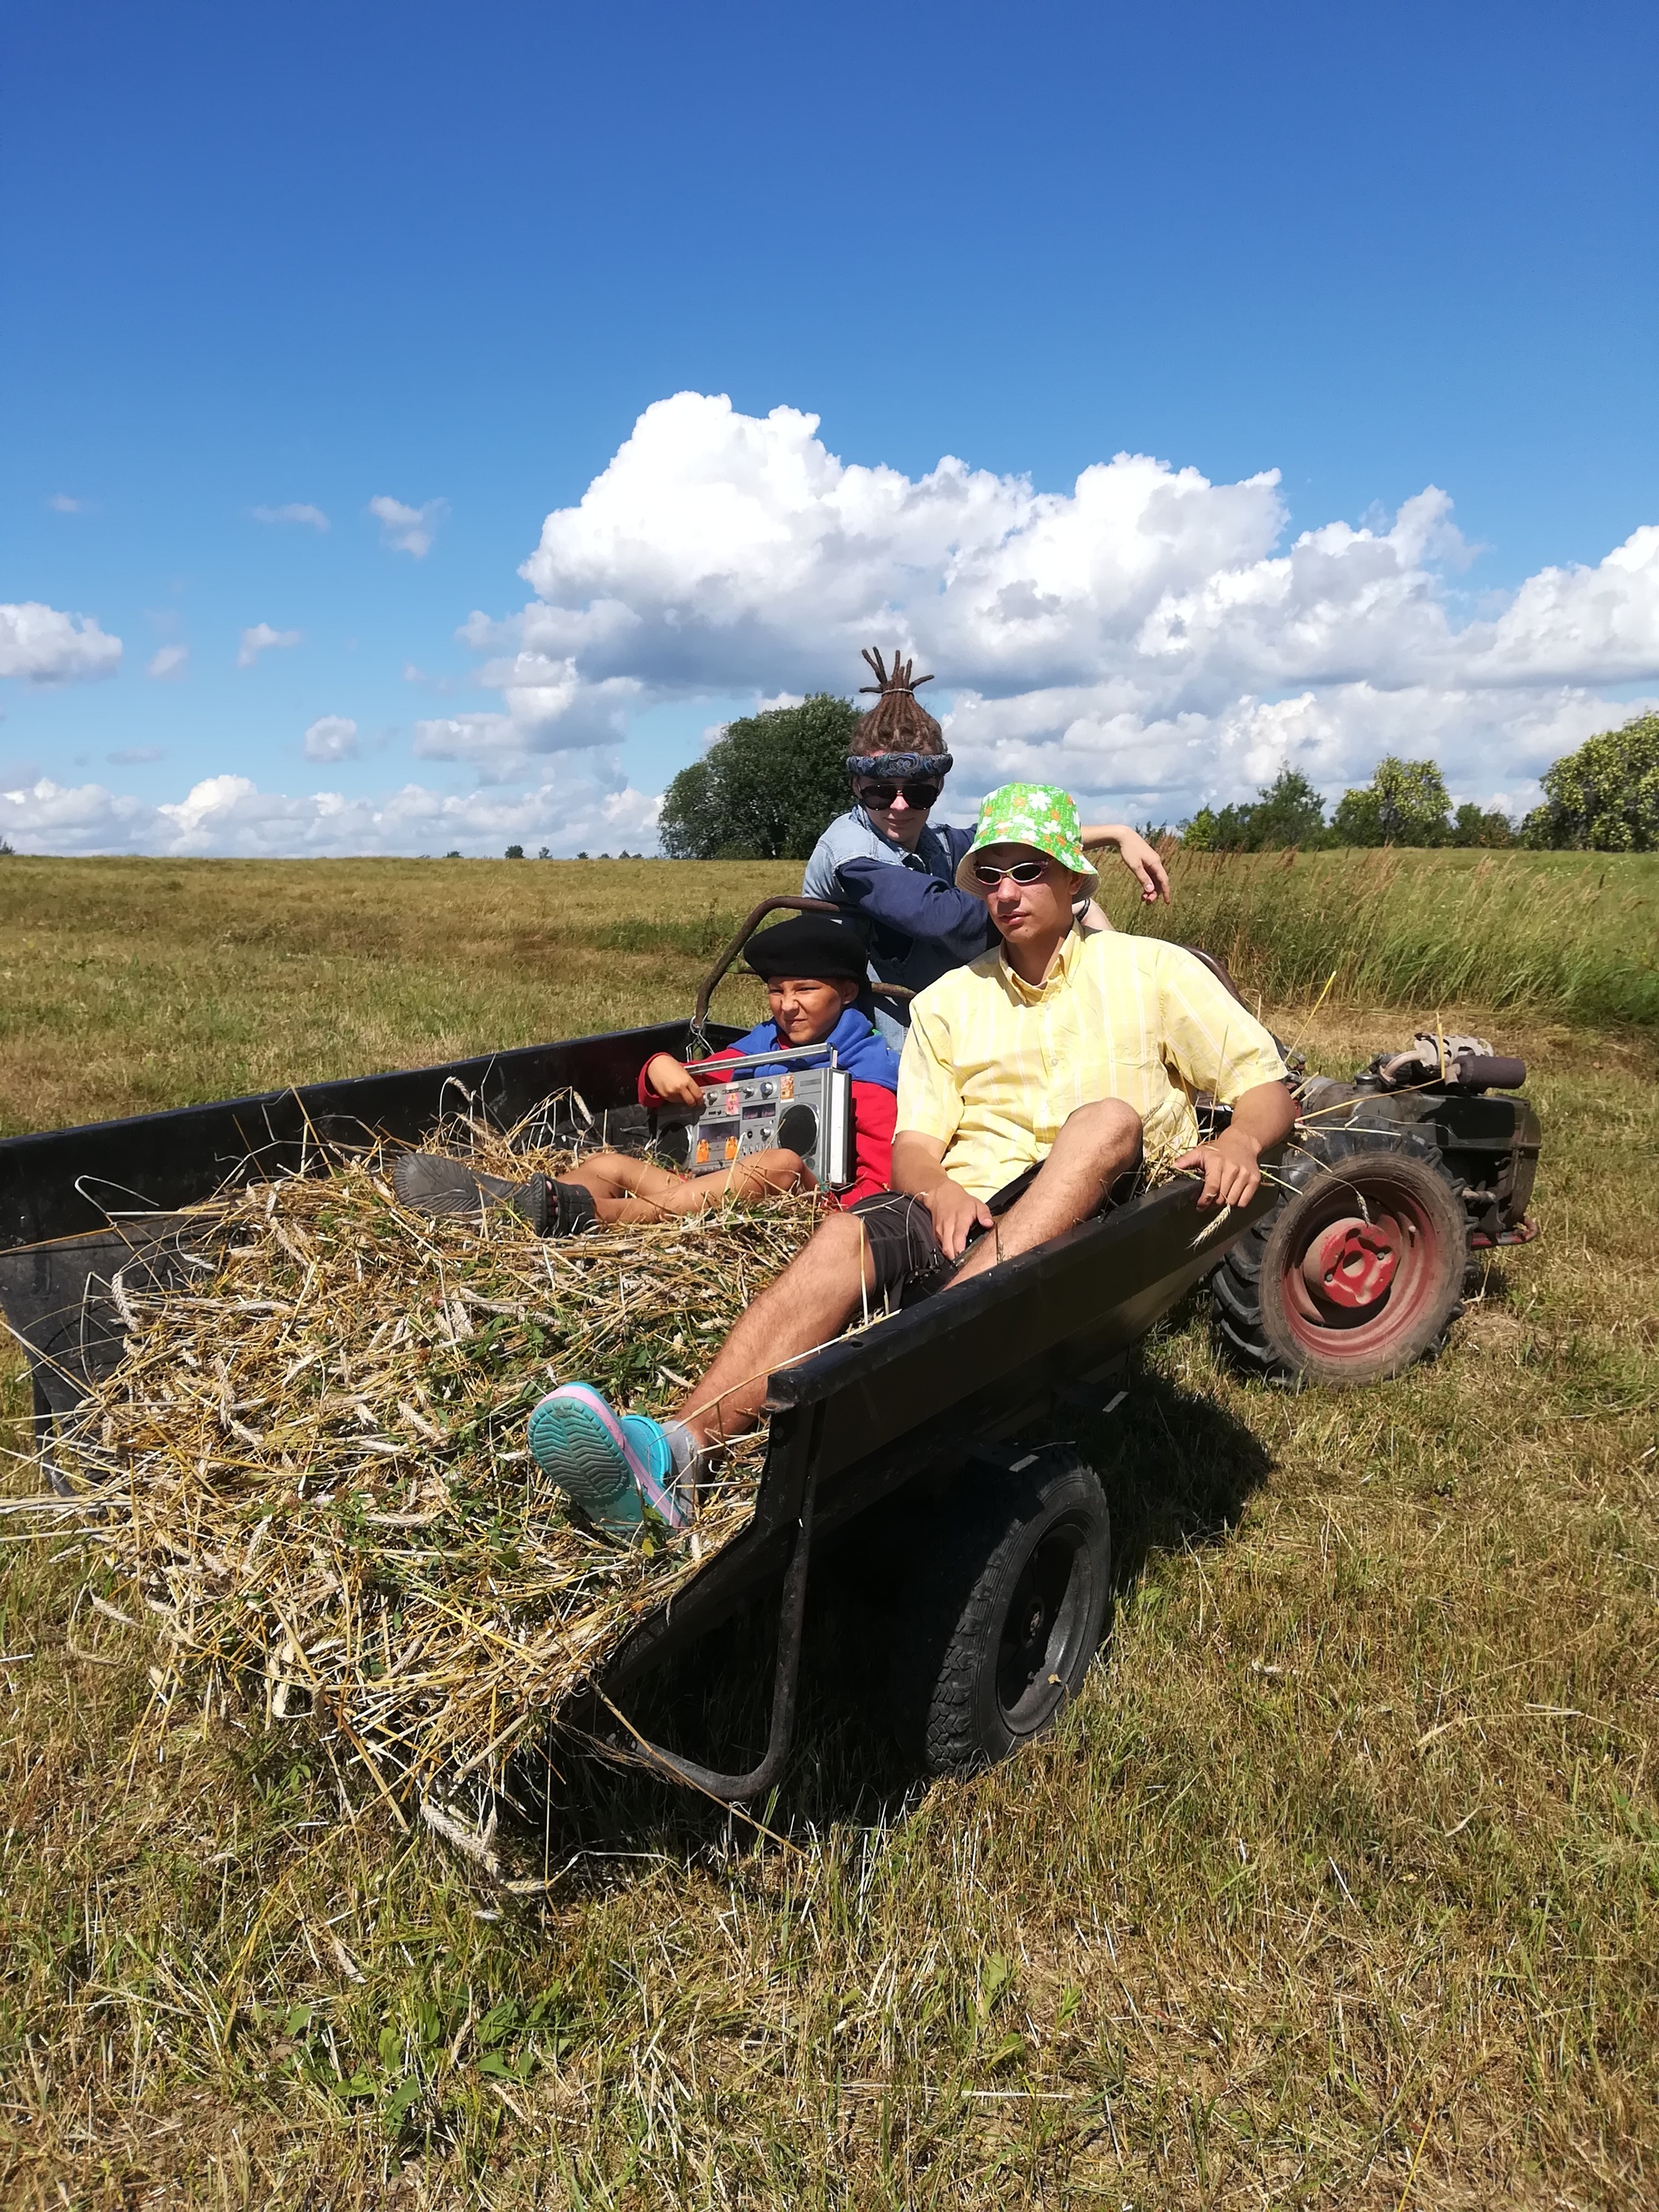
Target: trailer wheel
(1359,1270)
(1004,1612)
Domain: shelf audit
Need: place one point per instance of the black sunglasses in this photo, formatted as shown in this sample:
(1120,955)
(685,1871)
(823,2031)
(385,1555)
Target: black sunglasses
(1022,872)
(916,793)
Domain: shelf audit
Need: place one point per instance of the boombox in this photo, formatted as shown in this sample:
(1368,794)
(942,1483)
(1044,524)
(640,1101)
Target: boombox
(807,1110)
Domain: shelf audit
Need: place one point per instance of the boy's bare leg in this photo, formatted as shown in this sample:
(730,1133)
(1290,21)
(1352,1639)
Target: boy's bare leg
(810,1302)
(626,1189)
(1095,1145)
(821,1289)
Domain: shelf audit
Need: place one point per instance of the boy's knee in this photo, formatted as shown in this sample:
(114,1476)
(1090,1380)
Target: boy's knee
(777,1169)
(1105,1122)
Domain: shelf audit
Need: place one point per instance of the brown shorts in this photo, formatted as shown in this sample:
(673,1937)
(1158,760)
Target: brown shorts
(908,1261)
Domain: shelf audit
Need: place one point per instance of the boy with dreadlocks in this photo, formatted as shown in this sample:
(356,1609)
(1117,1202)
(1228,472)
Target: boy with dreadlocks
(886,861)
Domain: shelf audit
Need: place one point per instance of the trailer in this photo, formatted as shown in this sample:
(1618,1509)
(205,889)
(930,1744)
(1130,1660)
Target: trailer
(1348,1264)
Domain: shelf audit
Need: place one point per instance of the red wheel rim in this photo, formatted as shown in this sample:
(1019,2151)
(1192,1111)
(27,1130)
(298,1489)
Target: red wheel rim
(1364,1264)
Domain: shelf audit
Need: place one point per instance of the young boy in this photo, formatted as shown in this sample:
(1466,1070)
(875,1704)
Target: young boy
(813,967)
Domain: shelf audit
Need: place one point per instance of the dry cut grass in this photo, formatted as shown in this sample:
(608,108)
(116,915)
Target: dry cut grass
(1340,1884)
(309,1474)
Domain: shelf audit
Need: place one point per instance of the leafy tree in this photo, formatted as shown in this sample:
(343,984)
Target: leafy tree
(515,851)
(767,788)
(1211,831)
(1471,827)
(545,853)
(1287,811)
(1405,803)
(1605,797)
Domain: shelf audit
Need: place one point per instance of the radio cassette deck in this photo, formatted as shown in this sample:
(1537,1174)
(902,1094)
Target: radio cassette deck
(807,1110)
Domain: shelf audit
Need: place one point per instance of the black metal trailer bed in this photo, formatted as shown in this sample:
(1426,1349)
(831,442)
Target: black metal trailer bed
(927,1393)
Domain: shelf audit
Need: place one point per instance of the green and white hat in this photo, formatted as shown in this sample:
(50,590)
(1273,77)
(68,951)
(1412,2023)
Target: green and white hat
(1040,815)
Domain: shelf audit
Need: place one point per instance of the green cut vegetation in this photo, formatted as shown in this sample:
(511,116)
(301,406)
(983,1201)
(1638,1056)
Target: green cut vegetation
(1339,1886)
(1572,936)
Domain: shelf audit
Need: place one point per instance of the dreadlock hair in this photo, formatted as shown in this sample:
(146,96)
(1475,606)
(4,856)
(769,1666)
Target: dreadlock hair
(897,725)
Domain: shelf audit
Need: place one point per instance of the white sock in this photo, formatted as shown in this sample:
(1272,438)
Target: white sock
(683,1450)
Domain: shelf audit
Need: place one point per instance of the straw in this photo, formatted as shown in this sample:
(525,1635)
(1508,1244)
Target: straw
(310,1466)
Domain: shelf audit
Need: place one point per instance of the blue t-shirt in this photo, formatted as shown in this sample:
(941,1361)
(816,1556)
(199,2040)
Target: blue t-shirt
(922,925)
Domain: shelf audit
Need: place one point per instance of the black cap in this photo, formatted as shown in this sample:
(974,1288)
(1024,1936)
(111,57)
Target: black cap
(812,944)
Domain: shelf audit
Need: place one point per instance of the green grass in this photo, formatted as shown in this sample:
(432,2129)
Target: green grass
(1574,936)
(131,985)
(1340,1885)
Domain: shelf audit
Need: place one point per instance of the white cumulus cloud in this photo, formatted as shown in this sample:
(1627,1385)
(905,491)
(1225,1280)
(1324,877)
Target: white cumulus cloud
(230,815)
(261,639)
(169,663)
(45,646)
(407,529)
(331,738)
(293,511)
(1146,633)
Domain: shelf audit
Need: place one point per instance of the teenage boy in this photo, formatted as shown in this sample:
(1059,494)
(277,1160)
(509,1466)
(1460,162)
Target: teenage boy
(1032,1079)
(813,969)
(886,861)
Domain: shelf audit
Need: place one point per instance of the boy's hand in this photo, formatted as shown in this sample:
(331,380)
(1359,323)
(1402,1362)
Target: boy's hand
(1231,1165)
(956,1215)
(674,1083)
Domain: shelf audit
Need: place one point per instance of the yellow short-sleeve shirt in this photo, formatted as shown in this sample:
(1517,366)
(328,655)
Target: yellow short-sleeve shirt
(993,1066)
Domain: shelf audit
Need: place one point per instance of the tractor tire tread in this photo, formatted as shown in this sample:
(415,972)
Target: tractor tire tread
(1235,1284)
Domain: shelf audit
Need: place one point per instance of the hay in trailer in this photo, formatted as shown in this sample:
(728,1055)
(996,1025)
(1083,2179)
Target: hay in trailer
(309,1468)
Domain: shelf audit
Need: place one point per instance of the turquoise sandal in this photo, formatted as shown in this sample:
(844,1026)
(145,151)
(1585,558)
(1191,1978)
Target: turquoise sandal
(616,1466)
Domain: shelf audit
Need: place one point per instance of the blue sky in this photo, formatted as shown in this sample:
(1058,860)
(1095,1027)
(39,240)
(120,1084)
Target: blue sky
(320,257)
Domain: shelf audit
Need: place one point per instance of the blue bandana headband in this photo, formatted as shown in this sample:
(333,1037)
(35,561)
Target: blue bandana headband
(898,766)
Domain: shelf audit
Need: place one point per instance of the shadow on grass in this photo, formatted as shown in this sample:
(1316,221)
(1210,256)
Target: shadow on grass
(1177,1469)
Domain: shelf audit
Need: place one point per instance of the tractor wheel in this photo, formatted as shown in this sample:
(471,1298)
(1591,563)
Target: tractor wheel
(1358,1273)
(1004,1611)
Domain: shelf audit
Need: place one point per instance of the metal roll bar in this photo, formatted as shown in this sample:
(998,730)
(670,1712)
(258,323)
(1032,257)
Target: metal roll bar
(706,989)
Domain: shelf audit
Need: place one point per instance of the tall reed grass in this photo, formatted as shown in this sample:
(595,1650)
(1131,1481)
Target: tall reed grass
(1571,935)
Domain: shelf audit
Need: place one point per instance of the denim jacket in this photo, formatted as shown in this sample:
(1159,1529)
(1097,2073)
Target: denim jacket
(921,925)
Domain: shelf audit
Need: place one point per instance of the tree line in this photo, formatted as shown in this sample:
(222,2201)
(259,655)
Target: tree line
(771,783)
(1603,799)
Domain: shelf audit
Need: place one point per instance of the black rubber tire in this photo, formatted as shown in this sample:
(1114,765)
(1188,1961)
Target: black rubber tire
(1253,1291)
(1004,1612)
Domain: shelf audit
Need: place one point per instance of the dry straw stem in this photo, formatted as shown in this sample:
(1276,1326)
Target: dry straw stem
(311,1469)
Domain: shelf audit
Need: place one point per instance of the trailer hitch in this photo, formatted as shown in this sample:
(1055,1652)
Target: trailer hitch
(800,1483)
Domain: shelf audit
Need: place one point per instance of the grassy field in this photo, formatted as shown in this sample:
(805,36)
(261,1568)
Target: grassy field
(1573,936)
(1340,1885)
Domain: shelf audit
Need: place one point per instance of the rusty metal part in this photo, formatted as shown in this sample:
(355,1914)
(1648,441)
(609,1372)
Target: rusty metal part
(1523,1232)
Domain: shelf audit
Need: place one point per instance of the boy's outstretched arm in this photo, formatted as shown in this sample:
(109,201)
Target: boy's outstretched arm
(1231,1163)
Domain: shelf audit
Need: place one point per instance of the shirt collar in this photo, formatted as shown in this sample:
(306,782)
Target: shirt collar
(1059,973)
(922,856)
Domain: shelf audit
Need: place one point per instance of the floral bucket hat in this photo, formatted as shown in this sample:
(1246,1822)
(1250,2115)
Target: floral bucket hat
(1040,815)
